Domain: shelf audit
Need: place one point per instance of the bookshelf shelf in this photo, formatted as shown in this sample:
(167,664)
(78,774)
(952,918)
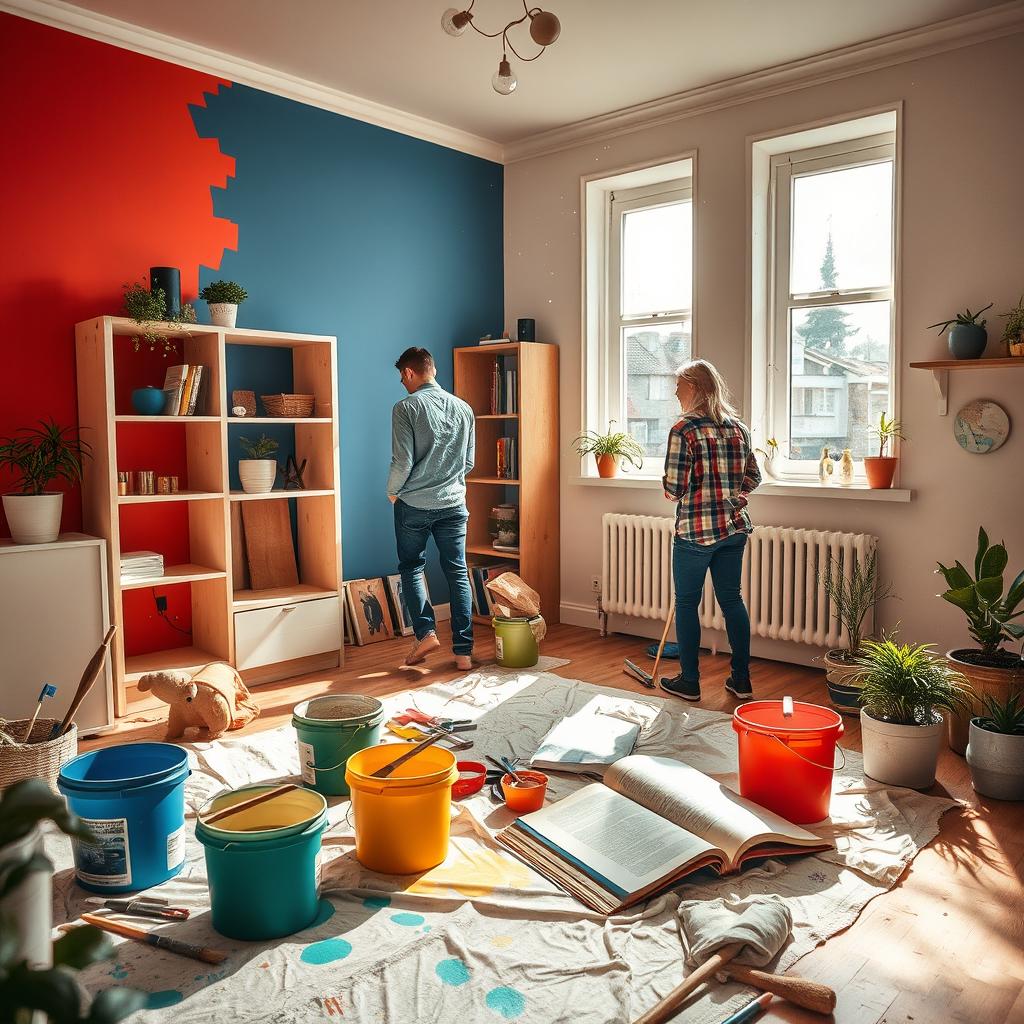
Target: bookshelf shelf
(146,499)
(186,573)
(499,416)
(121,418)
(492,480)
(245,600)
(185,658)
(486,549)
(270,495)
(243,420)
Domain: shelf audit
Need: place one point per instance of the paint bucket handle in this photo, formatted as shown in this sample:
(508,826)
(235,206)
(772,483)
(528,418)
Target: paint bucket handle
(823,767)
(344,760)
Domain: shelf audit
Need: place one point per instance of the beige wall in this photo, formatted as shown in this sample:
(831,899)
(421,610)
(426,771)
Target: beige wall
(963,244)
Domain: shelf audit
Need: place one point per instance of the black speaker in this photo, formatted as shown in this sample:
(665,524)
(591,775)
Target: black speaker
(168,278)
(526,330)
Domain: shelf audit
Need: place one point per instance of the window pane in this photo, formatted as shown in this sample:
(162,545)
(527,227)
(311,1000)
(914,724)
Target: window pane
(653,354)
(839,378)
(842,229)
(657,251)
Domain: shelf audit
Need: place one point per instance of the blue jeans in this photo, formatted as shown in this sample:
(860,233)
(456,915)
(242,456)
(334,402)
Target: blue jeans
(413,528)
(690,564)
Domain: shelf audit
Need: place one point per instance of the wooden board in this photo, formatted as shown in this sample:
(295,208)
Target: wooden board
(268,545)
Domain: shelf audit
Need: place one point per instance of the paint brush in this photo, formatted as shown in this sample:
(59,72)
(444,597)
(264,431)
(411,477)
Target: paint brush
(128,931)
(244,805)
(753,1009)
(48,690)
(142,908)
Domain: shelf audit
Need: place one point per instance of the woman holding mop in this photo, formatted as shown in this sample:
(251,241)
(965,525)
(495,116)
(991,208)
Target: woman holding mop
(710,471)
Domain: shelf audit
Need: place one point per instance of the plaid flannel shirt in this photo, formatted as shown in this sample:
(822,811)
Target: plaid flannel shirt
(711,470)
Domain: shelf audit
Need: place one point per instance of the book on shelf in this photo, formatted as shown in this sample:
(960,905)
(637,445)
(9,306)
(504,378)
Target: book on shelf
(504,386)
(648,825)
(184,389)
(507,461)
(195,390)
(174,387)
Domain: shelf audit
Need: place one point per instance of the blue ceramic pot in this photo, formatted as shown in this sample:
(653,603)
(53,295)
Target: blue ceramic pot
(967,341)
(845,699)
(148,401)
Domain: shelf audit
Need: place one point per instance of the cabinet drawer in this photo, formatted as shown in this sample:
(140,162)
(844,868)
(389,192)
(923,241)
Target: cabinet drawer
(266,636)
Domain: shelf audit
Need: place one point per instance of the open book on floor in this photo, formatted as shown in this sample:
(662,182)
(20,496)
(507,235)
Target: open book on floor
(649,824)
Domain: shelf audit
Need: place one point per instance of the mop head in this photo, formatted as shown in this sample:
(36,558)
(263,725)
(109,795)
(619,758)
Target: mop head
(631,668)
(763,924)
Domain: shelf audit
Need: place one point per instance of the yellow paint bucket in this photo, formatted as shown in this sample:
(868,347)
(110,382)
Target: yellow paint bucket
(402,822)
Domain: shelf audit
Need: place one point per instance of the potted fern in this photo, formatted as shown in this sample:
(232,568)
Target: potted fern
(223,299)
(995,752)
(40,455)
(149,309)
(904,690)
(967,334)
(1013,333)
(258,472)
(609,450)
(881,468)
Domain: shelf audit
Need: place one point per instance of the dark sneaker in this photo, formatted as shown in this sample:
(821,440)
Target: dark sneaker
(679,687)
(743,691)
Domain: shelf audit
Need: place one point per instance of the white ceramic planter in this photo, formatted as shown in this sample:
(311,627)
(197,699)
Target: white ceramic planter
(900,755)
(29,906)
(257,475)
(223,314)
(33,518)
(997,763)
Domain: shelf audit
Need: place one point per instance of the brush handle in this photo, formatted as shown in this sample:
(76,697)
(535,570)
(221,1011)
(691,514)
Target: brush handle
(89,677)
(811,995)
(667,1008)
(385,770)
(244,805)
(664,637)
(128,931)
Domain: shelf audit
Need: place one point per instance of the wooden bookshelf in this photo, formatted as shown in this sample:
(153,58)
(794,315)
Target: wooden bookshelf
(536,488)
(223,607)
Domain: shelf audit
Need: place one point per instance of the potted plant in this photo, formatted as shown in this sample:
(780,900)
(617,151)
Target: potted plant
(968,336)
(258,472)
(904,689)
(149,310)
(223,298)
(40,455)
(995,752)
(768,453)
(1013,333)
(881,468)
(990,608)
(609,449)
(851,596)
(33,972)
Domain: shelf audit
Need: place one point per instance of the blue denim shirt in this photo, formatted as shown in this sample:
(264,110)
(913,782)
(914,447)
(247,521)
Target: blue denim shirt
(433,445)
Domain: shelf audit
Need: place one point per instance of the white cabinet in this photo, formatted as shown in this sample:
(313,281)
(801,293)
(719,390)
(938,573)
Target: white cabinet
(54,613)
(284,632)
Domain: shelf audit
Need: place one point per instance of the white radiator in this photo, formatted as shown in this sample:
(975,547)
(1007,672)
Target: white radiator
(780,582)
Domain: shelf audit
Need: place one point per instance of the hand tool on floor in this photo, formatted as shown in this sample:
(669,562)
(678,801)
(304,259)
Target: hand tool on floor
(48,690)
(89,677)
(128,931)
(143,907)
(631,668)
(244,805)
(751,1011)
(385,770)
(414,731)
(507,765)
(448,724)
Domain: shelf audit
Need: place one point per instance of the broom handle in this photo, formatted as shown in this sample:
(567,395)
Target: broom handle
(664,637)
(667,1008)
(89,677)
(811,995)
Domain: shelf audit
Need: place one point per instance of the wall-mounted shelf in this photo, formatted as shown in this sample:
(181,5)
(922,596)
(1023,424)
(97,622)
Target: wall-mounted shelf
(940,373)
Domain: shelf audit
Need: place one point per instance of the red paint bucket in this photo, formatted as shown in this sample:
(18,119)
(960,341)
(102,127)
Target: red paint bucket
(786,762)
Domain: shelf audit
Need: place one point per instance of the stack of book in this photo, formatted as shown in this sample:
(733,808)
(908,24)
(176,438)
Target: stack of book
(508,459)
(504,386)
(141,565)
(185,390)
(479,575)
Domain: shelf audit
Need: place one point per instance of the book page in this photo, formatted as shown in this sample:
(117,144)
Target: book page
(629,845)
(695,802)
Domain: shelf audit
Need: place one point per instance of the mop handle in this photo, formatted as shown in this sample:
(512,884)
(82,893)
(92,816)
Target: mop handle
(661,646)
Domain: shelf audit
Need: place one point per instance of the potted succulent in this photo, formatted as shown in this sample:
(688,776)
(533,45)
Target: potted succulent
(851,596)
(258,472)
(881,468)
(1013,333)
(768,453)
(990,608)
(967,335)
(904,689)
(995,752)
(609,450)
(149,310)
(223,299)
(40,455)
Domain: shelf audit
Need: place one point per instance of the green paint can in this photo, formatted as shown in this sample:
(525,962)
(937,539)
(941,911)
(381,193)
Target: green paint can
(515,646)
(329,730)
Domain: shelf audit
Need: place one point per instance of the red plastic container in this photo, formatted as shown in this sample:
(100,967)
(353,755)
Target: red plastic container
(786,764)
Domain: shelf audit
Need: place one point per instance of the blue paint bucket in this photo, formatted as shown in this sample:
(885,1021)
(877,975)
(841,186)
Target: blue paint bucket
(133,799)
(329,730)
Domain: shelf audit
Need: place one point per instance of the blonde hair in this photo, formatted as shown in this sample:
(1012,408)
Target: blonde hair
(712,393)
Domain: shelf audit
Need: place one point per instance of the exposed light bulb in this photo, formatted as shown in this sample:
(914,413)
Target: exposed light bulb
(455,22)
(503,81)
(544,28)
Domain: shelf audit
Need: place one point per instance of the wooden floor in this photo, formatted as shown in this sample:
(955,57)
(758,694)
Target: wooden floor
(946,945)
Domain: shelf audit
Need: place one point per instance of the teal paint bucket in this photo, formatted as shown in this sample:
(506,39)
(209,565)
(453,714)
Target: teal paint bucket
(132,797)
(329,730)
(263,864)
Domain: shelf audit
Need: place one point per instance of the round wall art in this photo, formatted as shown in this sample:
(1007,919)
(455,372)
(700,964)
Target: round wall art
(981,427)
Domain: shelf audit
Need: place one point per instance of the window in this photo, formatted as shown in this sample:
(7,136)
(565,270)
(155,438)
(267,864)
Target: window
(830,325)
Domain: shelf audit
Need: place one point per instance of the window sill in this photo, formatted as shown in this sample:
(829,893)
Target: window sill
(769,488)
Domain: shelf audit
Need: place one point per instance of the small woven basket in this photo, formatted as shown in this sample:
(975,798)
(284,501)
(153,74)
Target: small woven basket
(40,758)
(288,405)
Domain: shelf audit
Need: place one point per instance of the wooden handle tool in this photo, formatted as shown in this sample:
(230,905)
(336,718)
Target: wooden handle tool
(244,805)
(88,680)
(128,931)
(385,770)
(811,995)
(661,646)
(667,1008)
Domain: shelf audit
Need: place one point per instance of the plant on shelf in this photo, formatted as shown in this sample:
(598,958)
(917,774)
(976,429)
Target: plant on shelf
(40,455)
(991,609)
(881,468)
(995,752)
(967,334)
(35,975)
(609,450)
(223,299)
(258,472)
(768,453)
(904,690)
(1013,333)
(149,310)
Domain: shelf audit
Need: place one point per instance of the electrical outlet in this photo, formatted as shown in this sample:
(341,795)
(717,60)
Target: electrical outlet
(161,603)
(595,584)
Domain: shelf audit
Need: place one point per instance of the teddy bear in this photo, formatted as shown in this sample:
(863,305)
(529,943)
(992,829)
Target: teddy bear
(214,699)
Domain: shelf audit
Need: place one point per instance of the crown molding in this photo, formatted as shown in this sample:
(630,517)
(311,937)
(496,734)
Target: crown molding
(886,51)
(74,19)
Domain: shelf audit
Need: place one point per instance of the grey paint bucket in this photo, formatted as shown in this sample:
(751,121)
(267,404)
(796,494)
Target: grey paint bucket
(329,730)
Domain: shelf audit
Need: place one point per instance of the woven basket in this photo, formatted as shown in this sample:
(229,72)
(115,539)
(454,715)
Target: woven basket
(288,405)
(40,758)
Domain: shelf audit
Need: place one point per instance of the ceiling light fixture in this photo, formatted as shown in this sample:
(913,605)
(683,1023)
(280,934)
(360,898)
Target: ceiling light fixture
(544,30)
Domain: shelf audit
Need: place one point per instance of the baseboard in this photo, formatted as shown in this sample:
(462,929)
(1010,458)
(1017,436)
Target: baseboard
(442,612)
(585,615)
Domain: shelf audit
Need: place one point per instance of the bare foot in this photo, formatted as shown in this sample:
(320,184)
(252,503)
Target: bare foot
(463,662)
(422,648)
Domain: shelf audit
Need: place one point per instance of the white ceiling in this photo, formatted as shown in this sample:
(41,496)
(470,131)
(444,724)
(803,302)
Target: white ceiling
(610,55)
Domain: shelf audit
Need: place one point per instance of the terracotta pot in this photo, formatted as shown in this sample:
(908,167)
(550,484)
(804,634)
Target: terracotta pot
(880,470)
(999,682)
(607,465)
(1017,347)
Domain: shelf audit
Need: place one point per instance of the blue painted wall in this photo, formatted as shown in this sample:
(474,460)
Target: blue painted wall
(383,240)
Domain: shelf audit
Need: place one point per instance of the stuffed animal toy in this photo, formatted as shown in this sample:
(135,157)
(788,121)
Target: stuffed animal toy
(213,699)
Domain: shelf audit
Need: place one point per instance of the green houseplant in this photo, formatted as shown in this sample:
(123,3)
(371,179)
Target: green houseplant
(904,690)
(609,450)
(967,334)
(881,468)
(1013,333)
(258,472)
(149,310)
(40,455)
(994,614)
(995,752)
(223,299)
